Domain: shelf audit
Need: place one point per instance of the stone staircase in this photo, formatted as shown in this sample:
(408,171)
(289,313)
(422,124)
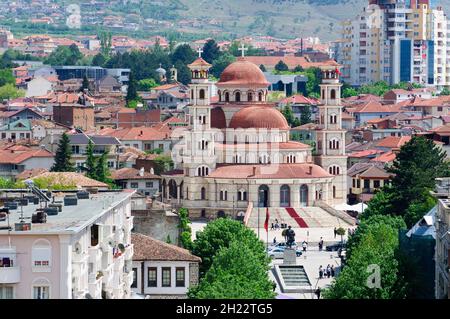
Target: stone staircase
(293,279)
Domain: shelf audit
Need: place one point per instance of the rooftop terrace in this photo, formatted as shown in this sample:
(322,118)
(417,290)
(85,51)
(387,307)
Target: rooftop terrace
(71,219)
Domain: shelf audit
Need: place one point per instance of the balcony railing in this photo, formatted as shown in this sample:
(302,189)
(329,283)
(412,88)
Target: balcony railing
(9,275)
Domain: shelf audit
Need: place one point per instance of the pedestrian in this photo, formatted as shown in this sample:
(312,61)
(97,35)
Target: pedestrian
(272,227)
(320,244)
(332,271)
(320,272)
(318,293)
(335,232)
(328,271)
(304,245)
(274,240)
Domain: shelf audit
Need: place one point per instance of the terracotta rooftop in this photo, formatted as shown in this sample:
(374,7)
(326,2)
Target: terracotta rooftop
(131,173)
(280,171)
(148,248)
(291,61)
(300,99)
(385,158)
(12,156)
(393,142)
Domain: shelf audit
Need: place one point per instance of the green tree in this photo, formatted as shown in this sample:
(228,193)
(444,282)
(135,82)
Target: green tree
(146,84)
(85,84)
(185,229)
(221,233)
(314,76)
(349,92)
(377,246)
(163,163)
(281,66)
(63,156)
(416,167)
(99,60)
(6,77)
(211,51)
(105,44)
(305,117)
(184,74)
(91,161)
(262,68)
(65,55)
(102,172)
(236,273)
(132,94)
(9,91)
(445,91)
(184,54)
(288,114)
(298,69)
(219,65)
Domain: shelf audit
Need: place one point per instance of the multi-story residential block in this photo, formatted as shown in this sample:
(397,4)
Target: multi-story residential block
(396,41)
(442,252)
(82,251)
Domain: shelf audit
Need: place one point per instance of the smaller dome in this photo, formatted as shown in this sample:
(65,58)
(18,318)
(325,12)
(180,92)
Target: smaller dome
(160,70)
(259,117)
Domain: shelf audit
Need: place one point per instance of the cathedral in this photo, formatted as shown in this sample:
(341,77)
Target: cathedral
(237,154)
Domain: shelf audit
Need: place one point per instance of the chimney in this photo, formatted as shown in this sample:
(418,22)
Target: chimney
(141,172)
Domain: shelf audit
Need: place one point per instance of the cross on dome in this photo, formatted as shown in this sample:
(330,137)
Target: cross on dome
(199,51)
(243,49)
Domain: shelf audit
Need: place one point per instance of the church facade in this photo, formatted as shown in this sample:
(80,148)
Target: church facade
(237,153)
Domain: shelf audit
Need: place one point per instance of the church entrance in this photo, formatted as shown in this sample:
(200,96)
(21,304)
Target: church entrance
(263,196)
(172,189)
(304,196)
(285,196)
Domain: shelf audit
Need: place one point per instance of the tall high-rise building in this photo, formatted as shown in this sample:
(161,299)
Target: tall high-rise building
(396,41)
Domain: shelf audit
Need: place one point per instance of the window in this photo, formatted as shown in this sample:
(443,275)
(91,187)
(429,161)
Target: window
(134,185)
(250,97)
(149,184)
(260,97)
(439,108)
(223,195)
(166,273)
(41,292)
(333,119)
(376,184)
(242,195)
(203,194)
(41,254)
(334,144)
(237,97)
(202,94)
(202,171)
(227,97)
(152,274)
(180,277)
(333,94)
(6,292)
(134,284)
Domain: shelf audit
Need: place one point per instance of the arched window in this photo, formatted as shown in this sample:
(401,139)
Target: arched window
(227,97)
(242,195)
(203,145)
(203,194)
(334,170)
(202,171)
(333,119)
(334,191)
(323,94)
(202,94)
(291,159)
(285,196)
(260,97)
(220,96)
(192,94)
(264,159)
(237,96)
(223,195)
(250,96)
(333,94)
(41,255)
(237,159)
(41,288)
(334,144)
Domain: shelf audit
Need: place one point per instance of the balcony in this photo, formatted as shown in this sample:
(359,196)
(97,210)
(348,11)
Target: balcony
(9,275)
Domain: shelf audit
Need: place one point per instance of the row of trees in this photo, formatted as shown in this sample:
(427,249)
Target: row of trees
(395,207)
(378,88)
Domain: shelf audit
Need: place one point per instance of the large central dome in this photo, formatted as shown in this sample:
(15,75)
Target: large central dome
(243,73)
(259,117)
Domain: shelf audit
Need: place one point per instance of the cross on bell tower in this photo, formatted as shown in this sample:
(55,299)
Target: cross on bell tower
(243,49)
(199,51)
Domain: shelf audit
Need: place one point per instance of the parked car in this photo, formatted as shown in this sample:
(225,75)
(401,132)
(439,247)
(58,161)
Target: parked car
(278,252)
(282,244)
(335,247)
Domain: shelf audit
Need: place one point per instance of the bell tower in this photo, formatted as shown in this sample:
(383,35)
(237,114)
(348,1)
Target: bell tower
(330,136)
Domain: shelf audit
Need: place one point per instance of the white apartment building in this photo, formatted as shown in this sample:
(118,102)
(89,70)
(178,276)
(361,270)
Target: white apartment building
(396,41)
(83,251)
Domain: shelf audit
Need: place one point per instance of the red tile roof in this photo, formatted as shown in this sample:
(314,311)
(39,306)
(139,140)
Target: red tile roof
(280,171)
(12,156)
(147,248)
(136,134)
(364,153)
(300,99)
(131,173)
(393,142)
(385,157)
(291,61)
